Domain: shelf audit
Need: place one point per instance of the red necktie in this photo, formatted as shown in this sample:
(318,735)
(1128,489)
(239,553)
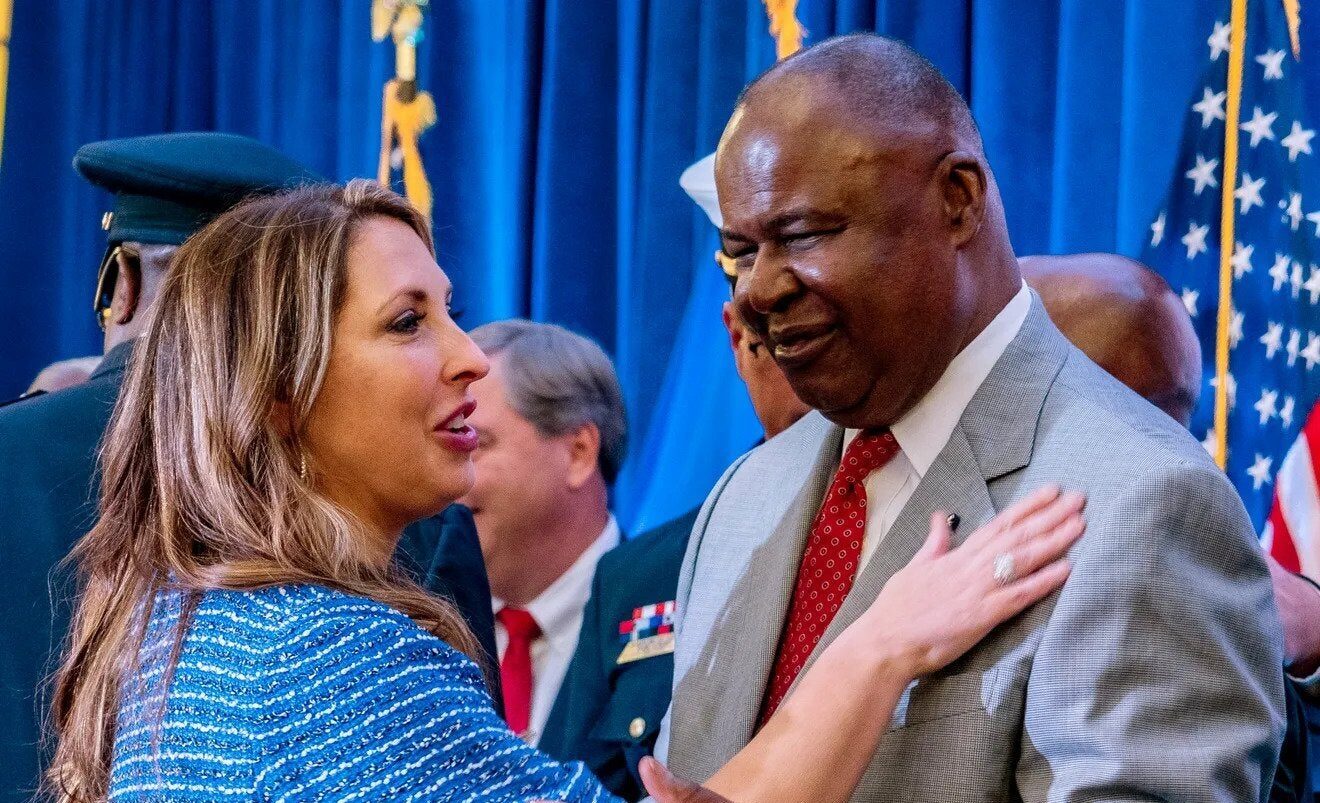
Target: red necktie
(516,666)
(830,562)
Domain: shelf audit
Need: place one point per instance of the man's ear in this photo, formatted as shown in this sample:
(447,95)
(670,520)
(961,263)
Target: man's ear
(965,185)
(733,326)
(128,287)
(583,455)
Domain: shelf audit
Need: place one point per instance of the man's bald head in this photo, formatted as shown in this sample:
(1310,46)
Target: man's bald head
(879,81)
(1126,318)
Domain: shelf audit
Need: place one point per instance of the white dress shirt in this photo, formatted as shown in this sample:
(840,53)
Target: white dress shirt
(923,431)
(558,612)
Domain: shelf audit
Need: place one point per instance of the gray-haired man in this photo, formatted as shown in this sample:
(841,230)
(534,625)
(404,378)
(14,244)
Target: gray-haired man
(553,434)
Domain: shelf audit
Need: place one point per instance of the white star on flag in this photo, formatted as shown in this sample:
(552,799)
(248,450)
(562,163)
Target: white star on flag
(1286,412)
(1211,443)
(1312,351)
(1272,61)
(1219,40)
(1242,260)
(1194,239)
(1314,217)
(1312,285)
(1292,210)
(1235,329)
(1189,297)
(1297,141)
(1260,471)
(1266,405)
(1294,347)
(1272,340)
(1296,279)
(1279,270)
(1260,126)
(1210,107)
(1203,174)
(1157,230)
(1249,193)
(1232,388)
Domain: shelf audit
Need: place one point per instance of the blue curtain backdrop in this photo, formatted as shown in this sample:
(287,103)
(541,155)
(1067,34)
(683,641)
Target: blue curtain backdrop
(564,125)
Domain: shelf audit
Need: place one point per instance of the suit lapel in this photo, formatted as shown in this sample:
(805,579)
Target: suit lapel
(740,592)
(754,630)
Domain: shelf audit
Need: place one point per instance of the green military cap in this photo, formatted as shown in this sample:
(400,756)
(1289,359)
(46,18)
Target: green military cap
(167,186)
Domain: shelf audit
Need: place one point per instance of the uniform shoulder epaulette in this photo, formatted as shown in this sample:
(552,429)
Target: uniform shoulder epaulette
(34,394)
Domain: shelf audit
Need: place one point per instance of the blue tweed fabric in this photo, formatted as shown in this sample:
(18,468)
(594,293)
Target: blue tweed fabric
(304,693)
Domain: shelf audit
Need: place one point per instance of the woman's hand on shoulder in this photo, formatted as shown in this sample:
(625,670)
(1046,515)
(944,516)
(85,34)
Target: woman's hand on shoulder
(948,598)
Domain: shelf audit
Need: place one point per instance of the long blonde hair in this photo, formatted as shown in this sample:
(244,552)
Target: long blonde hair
(202,485)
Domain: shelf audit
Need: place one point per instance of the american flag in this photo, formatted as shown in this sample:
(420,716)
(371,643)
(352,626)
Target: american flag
(1274,361)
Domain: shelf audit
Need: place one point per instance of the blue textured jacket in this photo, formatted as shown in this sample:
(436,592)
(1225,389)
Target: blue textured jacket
(48,488)
(304,693)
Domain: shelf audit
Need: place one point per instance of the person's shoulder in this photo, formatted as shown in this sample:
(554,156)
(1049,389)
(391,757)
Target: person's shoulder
(665,543)
(802,439)
(344,635)
(58,406)
(307,616)
(1092,412)
(294,606)
(778,461)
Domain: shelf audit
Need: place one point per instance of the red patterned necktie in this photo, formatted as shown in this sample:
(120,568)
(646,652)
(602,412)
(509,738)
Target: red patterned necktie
(830,562)
(516,666)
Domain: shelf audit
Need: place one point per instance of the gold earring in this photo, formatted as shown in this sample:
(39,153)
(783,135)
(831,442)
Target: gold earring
(302,466)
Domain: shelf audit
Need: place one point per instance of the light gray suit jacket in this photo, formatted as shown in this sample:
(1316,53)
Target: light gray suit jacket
(1154,675)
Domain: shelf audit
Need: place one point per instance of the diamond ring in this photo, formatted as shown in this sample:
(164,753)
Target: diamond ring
(1004,570)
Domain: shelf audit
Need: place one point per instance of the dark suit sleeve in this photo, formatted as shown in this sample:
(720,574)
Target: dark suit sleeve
(1292,779)
(585,690)
(444,554)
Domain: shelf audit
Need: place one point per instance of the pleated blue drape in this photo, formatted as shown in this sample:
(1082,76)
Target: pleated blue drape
(564,125)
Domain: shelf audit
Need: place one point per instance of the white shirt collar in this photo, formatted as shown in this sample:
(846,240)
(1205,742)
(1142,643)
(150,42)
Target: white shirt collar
(557,608)
(923,431)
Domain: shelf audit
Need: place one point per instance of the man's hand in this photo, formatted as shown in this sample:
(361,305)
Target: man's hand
(1299,610)
(666,787)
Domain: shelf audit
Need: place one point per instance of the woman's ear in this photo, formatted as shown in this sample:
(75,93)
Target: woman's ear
(281,418)
(583,455)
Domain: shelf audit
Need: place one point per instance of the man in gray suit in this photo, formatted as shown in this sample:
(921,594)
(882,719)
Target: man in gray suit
(873,259)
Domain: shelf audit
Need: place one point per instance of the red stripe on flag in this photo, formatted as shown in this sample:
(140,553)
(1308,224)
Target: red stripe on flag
(1282,547)
(1311,432)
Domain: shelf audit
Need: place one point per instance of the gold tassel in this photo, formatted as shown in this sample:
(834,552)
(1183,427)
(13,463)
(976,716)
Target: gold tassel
(406,112)
(785,27)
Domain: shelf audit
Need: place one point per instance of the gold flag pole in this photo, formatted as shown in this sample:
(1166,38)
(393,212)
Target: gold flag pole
(1227,219)
(6,25)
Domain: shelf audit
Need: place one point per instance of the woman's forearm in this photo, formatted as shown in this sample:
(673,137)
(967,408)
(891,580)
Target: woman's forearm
(821,739)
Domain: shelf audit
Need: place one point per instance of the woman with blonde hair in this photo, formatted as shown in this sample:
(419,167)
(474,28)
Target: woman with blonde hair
(300,397)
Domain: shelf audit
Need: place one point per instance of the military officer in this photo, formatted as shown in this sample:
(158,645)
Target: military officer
(165,187)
